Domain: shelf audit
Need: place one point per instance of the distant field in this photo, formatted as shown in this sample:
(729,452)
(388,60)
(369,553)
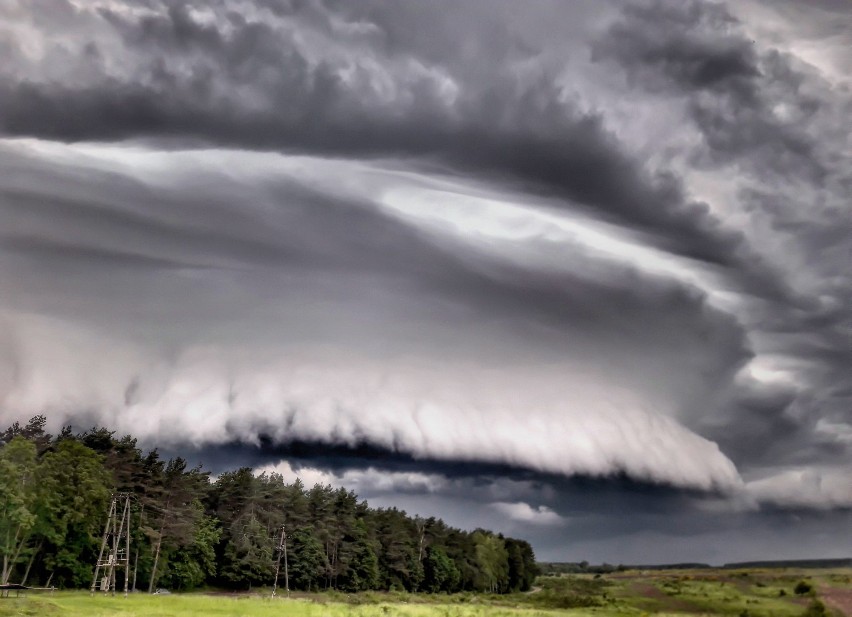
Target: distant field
(739,593)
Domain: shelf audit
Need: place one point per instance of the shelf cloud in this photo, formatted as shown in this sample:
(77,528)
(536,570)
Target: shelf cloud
(597,249)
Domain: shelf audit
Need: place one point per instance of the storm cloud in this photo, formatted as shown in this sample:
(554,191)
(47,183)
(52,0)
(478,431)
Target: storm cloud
(406,247)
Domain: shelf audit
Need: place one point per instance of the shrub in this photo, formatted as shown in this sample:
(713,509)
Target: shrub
(815,609)
(802,588)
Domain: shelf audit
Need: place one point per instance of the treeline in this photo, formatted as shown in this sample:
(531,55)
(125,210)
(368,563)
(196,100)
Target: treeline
(556,568)
(583,567)
(790,563)
(188,531)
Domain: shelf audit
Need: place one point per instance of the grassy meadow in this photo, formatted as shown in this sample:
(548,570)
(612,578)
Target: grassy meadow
(738,593)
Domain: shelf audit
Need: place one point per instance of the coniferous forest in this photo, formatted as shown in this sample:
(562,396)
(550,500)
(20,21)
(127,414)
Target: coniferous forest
(188,531)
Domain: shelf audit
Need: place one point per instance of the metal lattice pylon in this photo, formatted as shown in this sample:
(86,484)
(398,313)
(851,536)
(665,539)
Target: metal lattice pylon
(117,557)
(282,549)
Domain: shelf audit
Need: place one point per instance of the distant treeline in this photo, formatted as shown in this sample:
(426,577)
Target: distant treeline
(189,532)
(556,568)
(792,563)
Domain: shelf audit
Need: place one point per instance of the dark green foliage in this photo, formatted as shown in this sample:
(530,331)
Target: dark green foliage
(440,572)
(802,588)
(187,532)
(192,564)
(399,558)
(19,500)
(815,609)
(249,553)
(461,548)
(77,485)
(522,567)
(307,564)
(362,573)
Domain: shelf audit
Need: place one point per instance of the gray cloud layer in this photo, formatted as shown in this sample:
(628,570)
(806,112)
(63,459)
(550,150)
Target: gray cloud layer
(612,243)
(318,318)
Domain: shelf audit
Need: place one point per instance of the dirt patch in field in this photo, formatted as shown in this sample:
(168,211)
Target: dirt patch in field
(838,599)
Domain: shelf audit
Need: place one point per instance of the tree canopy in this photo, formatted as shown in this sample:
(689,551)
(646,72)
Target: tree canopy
(190,531)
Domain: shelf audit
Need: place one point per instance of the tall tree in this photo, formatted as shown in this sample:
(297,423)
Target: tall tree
(307,560)
(189,565)
(522,566)
(439,572)
(362,562)
(493,561)
(398,560)
(79,486)
(17,500)
(179,510)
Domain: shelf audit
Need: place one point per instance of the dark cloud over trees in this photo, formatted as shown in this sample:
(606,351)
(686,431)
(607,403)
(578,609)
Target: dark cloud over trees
(441,233)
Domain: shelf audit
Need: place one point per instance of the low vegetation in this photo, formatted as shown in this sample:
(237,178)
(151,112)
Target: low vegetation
(628,593)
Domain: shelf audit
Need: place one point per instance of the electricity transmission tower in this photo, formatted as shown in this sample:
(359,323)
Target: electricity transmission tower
(117,557)
(282,548)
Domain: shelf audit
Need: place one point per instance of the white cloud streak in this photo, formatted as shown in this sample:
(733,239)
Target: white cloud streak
(525,513)
(807,487)
(365,482)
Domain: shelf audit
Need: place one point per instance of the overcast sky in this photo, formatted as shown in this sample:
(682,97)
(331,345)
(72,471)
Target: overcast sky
(580,272)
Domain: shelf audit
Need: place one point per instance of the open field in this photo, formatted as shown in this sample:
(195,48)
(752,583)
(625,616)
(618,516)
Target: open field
(739,593)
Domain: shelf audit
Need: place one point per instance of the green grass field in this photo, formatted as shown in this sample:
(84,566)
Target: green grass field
(195,605)
(745,593)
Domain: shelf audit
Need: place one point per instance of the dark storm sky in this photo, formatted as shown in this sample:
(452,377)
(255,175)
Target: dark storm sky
(577,271)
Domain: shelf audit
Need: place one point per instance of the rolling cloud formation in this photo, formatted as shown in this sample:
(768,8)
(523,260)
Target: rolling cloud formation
(579,240)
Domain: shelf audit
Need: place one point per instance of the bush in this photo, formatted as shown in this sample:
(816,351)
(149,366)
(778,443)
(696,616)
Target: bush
(802,588)
(815,609)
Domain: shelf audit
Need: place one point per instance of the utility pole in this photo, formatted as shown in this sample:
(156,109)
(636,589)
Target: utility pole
(96,584)
(159,546)
(136,557)
(118,557)
(286,570)
(282,548)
